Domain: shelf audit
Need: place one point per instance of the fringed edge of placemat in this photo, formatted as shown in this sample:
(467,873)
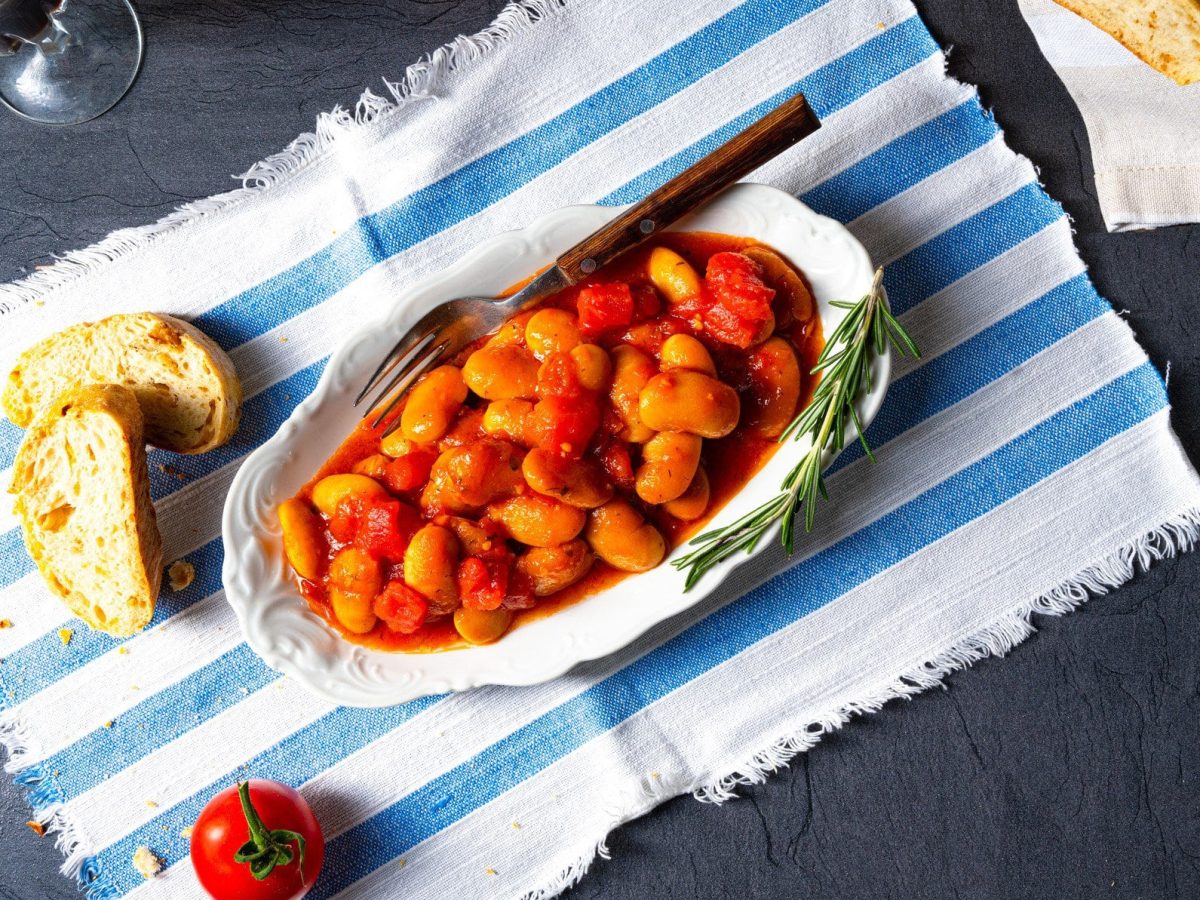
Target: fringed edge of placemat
(421,81)
(1178,534)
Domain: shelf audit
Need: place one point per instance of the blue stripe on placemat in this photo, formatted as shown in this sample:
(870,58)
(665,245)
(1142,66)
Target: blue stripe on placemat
(832,87)
(10,439)
(159,719)
(45,660)
(904,162)
(978,361)
(940,262)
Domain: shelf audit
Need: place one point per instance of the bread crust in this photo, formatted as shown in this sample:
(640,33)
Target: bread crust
(188,389)
(37,489)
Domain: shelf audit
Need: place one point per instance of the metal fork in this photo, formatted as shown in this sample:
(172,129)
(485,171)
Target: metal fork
(446,329)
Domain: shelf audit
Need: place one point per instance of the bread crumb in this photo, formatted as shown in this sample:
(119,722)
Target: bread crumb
(881,25)
(402,862)
(36,827)
(5,623)
(153,804)
(146,862)
(181,573)
(489,871)
(122,650)
(282,339)
(179,474)
(516,825)
(108,724)
(64,635)
(186,832)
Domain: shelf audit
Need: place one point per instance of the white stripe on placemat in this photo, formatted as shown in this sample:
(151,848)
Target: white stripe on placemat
(996,289)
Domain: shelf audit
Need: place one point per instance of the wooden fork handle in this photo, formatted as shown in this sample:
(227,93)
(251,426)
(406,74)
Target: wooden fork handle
(775,132)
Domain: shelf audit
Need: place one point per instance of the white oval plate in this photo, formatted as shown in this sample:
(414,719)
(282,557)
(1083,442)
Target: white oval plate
(276,621)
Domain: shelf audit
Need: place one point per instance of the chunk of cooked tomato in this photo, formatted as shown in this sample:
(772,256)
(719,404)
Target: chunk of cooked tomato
(410,471)
(385,529)
(603,307)
(520,591)
(736,283)
(401,608)
(646,302)
(690,309)
(730,328)
(483,581)
(565,425)
(618,465)
(343,524)
(559,377)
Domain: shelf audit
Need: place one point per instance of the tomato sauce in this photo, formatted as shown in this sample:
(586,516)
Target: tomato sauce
(729,461)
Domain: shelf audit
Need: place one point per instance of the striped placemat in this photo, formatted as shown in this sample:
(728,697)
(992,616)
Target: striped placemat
(1025,461)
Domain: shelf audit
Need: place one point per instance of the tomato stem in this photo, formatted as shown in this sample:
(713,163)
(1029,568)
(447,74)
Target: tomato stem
(266,848)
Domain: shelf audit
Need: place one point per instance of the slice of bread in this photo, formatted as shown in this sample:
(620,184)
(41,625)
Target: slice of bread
(1164,34)
(187,387)
(83,496)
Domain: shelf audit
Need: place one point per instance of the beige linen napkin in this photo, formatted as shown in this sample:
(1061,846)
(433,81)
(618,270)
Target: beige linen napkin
(1143,127)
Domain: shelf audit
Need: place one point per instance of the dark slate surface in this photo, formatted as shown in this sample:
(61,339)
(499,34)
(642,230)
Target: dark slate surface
(1069,769)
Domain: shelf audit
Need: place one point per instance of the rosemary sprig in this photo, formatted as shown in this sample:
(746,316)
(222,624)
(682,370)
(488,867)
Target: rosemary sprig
(845,369)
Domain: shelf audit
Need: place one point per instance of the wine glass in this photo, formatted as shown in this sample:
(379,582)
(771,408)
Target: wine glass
(67,61)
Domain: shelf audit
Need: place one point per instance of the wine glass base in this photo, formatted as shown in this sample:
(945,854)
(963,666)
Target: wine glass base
(87,76)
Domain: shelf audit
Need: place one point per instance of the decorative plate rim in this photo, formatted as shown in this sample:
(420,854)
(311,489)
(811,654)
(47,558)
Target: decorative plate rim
(276,621)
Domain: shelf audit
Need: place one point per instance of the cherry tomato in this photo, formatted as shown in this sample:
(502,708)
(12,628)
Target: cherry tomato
(604,306)
(257,841)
